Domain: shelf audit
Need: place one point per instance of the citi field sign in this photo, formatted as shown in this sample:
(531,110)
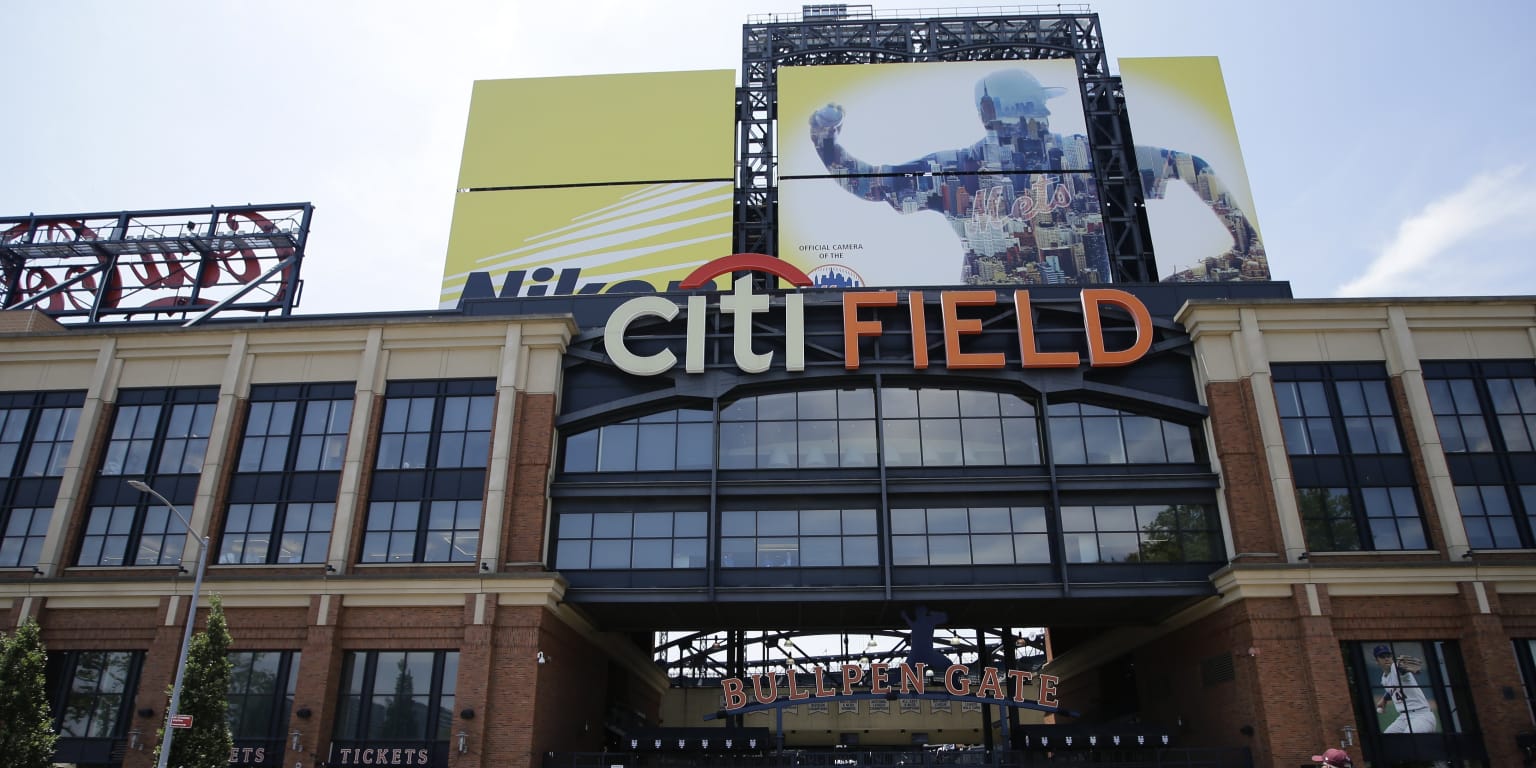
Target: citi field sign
(860,320)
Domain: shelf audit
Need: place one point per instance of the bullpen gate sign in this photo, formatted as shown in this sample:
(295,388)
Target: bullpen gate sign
(860,319)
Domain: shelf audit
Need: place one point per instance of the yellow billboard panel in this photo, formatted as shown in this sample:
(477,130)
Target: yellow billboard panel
(1198,201)
(600,129)
(572,240)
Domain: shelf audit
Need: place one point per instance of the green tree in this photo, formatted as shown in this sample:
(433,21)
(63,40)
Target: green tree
(26,723)
(205,696)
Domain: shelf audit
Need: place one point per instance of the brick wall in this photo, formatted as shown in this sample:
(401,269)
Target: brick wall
(1247,485)
(532,445)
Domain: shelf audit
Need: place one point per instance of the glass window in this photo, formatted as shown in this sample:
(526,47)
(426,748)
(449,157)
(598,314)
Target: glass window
(1393,514)
(392,532)
(1354,481)
(1514,406)
(275,518)
(968,536)
(296,428)
(294,532)
(1488,516)
(1142,533)
(459,425)
(932,427)
(1488,407)
(1525,654)
(1304,418)
(186,439)
(261,688)
(809,538)
(22,530)
(1377,518)
(158,436)
(1407,687)
(1328,410)
(823,429)
(1328,519)
(1091,434)
(95,689)
(1458,415)
(401,696)
(434,448)
(644,540)
(1332,523)
(679,439)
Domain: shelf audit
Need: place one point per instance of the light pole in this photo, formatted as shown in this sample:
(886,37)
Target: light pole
(186,638)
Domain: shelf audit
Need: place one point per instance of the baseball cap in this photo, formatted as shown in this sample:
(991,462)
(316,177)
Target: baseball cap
(1382,650)
(1337,758)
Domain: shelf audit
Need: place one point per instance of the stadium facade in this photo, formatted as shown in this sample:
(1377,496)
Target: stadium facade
(554,525)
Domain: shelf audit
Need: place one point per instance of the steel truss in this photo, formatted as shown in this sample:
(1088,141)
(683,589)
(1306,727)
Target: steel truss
(859,38)
(184,263)
(702,659)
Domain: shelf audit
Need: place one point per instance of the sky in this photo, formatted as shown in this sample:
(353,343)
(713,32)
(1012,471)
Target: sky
(1386,142)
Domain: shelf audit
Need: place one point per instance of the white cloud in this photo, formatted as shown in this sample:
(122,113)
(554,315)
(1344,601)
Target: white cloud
(1469,242)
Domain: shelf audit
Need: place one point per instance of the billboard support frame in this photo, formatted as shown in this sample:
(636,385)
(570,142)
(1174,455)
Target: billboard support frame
(1064,34)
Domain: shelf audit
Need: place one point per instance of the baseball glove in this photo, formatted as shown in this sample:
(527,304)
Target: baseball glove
(1410,663)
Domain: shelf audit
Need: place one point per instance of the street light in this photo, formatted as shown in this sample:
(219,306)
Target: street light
(186,638)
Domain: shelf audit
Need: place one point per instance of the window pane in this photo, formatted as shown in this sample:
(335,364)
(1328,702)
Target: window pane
(1067,441)
(581,452)
(979,404)
(856,443)
(983,441)
(909,521)
(1021,442)
(1143,440)
(818,404)
(657,447)
(861,551)
(949,550)
(821,552)
(652,553)
(1104,442)
(938,403)
(948,521)
(695,446)
(903,447)
(855,404)
(940,442)
(818,444)
(909,550)
(617,451)
(738,446)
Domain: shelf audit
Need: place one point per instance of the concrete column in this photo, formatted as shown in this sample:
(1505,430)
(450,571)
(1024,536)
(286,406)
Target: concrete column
(99,396)
(370,384)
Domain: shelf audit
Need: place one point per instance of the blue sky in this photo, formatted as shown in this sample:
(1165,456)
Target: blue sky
(1386,143)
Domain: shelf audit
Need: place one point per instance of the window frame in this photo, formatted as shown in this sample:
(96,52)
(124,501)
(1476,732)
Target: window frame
(359,689)
(63,672)
(1497,466)
(1358,473)
(292,491)
(434,483)
(275,706)
(28,493)
(151,532)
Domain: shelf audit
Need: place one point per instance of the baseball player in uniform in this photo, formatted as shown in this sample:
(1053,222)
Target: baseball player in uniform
(1401,689)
